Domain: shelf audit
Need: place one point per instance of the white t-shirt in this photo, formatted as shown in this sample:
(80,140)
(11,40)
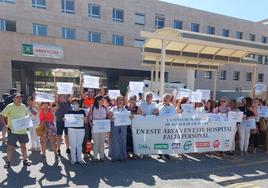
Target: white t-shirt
(35,118)
(165,110)
(147,108)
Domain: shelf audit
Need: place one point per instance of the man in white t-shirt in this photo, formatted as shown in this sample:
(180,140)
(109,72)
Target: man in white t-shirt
(148,107)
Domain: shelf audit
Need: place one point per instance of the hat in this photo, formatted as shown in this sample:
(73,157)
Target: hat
(16,95)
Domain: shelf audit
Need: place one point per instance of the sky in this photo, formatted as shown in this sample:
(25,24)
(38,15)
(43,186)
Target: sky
(254,10)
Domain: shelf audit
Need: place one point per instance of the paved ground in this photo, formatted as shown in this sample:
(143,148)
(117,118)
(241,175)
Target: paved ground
(193,171)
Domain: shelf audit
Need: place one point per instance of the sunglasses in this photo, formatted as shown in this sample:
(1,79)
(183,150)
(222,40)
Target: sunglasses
(223,101)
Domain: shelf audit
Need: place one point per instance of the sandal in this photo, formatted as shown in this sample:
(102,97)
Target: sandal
(26,163)
(7,165)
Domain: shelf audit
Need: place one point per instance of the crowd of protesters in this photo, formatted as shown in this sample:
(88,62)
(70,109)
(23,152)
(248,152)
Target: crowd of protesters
(80,143)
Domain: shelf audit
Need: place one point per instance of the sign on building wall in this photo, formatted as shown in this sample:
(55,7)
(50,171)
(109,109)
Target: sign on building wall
(40,50)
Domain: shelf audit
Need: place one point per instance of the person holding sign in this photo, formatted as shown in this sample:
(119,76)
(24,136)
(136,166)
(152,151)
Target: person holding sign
(76,133)
(223,106)
(98,112)
(34,114)
(12,112)
(244,130)
(118,137)
(148,107)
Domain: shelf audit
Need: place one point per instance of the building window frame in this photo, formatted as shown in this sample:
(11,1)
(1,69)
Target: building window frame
(37,27)
(39,4)
(116,40)
(236,75)
(195,27)
(65,34)
(261,77)
(225,32)
(252,37)
(138,43)
(159,21)
(8,1)
(64,7)
(211,30)
(264,39)
(208,75)
(248,76)
(239,35)
(137,21)
(94,10)
(118,15)
(94,37)
(178,24)
(223,75)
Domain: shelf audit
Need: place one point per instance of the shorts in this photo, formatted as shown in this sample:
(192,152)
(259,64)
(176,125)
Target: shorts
(51,129)
(12,139)
(60,128)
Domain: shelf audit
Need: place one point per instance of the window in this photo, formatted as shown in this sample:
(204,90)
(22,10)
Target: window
(39,4)
(39,30)
(140,19)
(236,75)
(195,73)
(68,33)
(94,37)
(225,32)
(7,25)
(264,39)
(118,15)
(159,21)
(8,1)
(118,40)
(178,24)
(260,77)
(211,30)
(251,37)
(223,75)
(138,43)
(94,11)
(67,6)
(239,35)
(208,75)
(249,76)
(195,27)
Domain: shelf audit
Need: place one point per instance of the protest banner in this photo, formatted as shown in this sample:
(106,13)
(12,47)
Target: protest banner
(187,108)
(179,134)
(65,88)
(235,116)
(113,94)
(91,82)
(183,93)
(136,87)
(260,88)
(74,120)
(101,126)
(22,123)
(263,111)
(44,97)
(121,118)
(195,96)
(206,94)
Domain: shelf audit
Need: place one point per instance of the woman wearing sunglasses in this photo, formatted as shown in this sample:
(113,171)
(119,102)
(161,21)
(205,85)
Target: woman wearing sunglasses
(223,106)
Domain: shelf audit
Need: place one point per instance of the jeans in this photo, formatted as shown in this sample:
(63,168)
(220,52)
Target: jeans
(76,139)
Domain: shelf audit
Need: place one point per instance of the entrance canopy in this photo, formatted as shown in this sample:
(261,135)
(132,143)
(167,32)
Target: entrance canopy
(191,50)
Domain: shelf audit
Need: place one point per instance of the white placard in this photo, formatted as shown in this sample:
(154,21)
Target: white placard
(122,118)
(249,123)
(113,94)
(91,82)
(187,108)
(44,97)
(263,111)
(136,87)
(156,97)
(235,116)
(74,120)
(217,117)
(205,94)
(147,85)
(196,96)
(183,93)
(101,126)
(65,88)
(22,123)
(260,87)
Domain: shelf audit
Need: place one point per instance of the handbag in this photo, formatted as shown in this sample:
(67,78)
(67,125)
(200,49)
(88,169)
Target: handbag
(263,123)
(41,130)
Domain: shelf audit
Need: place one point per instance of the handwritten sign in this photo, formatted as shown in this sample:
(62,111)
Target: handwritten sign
(113,94)
(196,96)
(122,118)
(183,93)
(65,88)
(44,97)
(235,116)
(74,120)
(22,123)
(263,111)
(260,88)
(101,126)
(205,94)
(91,82)
(187,108)
(136,86)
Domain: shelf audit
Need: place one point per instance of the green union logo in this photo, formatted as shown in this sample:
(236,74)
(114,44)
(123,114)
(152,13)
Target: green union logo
(161,146)
(27,49)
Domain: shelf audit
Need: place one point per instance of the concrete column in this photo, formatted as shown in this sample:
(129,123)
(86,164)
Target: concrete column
(215,85)
(152,78)
(190,79)
(162,68)
(156,76)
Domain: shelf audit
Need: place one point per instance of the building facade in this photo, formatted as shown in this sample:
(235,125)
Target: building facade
(102,38)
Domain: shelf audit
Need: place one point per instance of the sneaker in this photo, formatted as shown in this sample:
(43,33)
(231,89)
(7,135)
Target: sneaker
(68,151)
(58,153)
(26,163)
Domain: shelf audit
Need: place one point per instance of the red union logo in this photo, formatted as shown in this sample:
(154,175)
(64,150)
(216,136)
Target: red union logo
(216,144)
(202,144)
